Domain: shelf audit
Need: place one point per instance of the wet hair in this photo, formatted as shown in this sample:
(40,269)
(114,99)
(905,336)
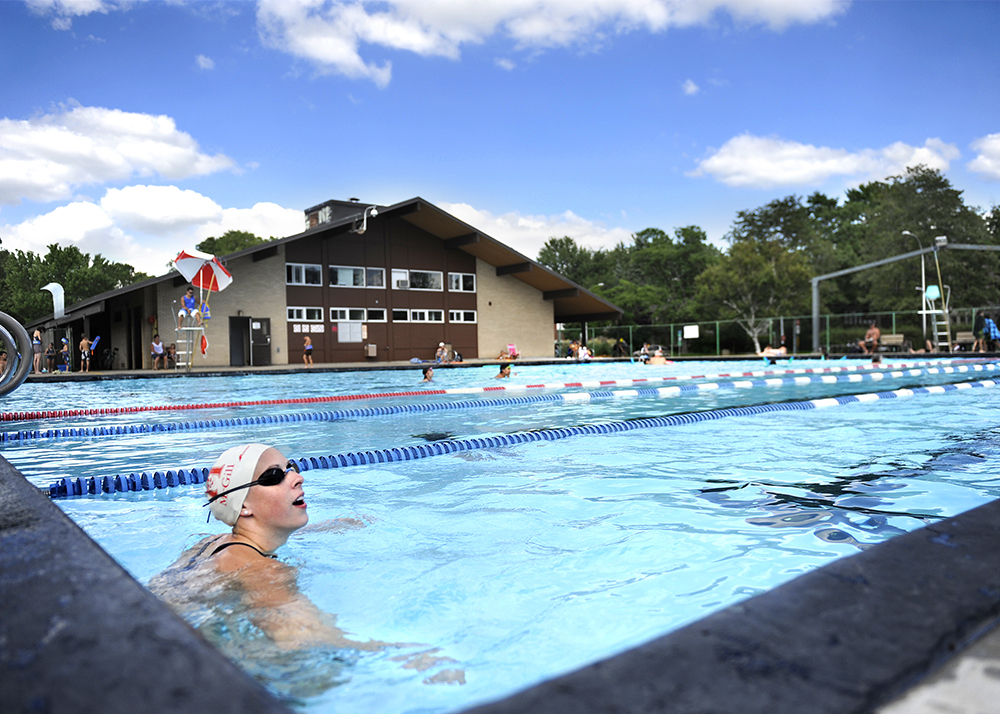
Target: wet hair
(427,369)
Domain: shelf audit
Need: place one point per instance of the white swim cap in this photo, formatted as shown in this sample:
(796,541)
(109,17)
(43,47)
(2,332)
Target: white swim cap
(234,468)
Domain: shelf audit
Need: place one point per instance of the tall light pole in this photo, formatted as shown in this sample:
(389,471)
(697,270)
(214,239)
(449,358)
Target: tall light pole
(923,284)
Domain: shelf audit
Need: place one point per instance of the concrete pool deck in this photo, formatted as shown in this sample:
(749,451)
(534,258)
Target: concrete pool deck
(907,626)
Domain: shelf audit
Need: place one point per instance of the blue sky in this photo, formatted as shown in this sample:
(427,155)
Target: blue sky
(135,129)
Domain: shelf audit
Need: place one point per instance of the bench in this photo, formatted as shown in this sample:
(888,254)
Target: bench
(892,342)
(965,338)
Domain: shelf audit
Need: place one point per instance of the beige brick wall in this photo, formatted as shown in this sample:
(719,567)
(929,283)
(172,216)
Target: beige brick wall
(510,311)
(258,290)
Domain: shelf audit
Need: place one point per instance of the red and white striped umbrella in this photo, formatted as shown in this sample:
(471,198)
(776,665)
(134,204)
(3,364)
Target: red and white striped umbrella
(203,270)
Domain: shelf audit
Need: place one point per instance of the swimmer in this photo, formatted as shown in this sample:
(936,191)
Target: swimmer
(258,492)
(657,358)
(428,374)
(504,372)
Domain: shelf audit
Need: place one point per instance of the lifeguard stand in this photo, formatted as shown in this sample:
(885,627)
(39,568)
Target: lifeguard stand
(187,337)
(942,325)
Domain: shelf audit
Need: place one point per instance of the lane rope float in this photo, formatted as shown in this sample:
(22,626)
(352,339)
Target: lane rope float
(98,485)
(24,436)
(61,413)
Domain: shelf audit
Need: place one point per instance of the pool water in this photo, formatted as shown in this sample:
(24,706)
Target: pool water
(523,562)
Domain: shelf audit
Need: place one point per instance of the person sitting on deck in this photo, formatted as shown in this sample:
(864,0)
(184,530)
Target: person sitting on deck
(870,343)
(769,351)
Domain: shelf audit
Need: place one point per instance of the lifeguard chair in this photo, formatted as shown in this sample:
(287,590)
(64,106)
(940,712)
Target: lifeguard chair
(942,325)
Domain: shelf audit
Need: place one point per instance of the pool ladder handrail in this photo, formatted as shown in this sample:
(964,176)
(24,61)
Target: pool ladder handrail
(19,364)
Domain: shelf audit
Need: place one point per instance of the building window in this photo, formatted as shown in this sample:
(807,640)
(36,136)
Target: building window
(400,315)
(462,282)
(400,279)
(426,280)
(354,314)
(303,274)
(305,314)
(461,316)
(342,276)
(350,332)
(376,314)
(426,315)
(417,279)
(375,277)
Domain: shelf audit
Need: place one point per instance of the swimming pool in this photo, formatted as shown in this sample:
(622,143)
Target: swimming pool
(524,561)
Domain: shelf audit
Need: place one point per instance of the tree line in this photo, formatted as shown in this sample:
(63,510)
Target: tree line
(23,274)
(773,251)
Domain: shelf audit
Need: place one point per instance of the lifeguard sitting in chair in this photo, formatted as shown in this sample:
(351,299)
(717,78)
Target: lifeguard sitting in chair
(510,353)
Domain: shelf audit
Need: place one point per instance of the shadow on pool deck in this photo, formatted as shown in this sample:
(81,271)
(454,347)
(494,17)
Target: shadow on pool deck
(77,633)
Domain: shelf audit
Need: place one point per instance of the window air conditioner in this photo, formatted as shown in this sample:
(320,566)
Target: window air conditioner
(403,284)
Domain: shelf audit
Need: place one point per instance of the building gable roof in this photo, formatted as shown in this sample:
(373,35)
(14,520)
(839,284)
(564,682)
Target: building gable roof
(571,302)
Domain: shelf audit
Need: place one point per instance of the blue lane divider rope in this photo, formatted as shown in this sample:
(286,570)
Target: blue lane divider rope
(367,412)
(143,482)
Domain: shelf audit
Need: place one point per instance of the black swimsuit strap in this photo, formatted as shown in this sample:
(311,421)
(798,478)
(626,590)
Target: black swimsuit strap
(232,543)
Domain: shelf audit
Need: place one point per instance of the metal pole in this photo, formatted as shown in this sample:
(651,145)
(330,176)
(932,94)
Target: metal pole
(923,294)
(815,320)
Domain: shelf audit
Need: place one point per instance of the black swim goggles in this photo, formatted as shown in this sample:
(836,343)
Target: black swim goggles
(272,477)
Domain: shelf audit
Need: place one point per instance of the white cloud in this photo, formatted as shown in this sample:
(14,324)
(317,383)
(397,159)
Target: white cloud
(528,234)
(504,63)
(987,163)
(63,11)
(45,158)
(765,162)
(146,226)
(204,62)
(330,34)
(263,219)
(159,210)
(84,225)
(690,87)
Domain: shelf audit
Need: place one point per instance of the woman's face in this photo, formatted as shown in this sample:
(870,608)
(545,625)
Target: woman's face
(282,507)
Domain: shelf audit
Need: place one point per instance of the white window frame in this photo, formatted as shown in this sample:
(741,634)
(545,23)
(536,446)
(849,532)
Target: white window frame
(400,276)
(460,315)
(405,317)
(300,279)
(343,314)
(370,318)
(299,314)
(368,281)
(438,273)
(455,281)
(424,314)
(358,273)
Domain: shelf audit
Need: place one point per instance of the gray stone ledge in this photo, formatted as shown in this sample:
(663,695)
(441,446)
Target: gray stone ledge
(79,634)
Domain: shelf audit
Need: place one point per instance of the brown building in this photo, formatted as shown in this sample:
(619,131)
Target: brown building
(365,283)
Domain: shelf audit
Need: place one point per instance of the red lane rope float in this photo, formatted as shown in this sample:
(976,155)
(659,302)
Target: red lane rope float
(58,413)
